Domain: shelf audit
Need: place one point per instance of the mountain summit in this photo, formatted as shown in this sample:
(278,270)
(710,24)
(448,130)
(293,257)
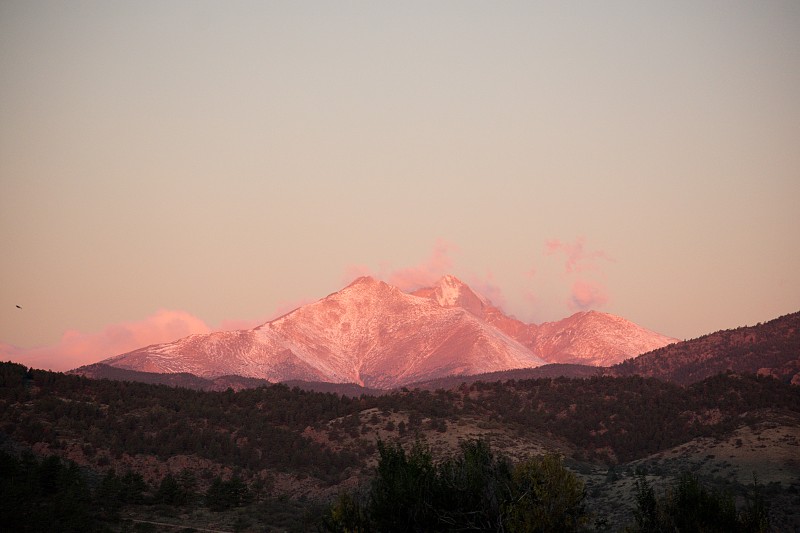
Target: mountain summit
(375,335)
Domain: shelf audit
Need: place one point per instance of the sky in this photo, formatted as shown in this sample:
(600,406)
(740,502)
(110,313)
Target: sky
(169,168)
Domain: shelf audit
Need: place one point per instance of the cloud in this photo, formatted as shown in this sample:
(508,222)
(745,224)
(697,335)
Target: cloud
(429,271)
(353,272)
(77,348)
(587,294)
(424,274)
(587,291)
(488,288)
(577,259)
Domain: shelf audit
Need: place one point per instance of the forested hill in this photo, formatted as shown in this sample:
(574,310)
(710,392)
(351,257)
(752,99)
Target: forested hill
(771,348)
(285,442)
(601,418)
(176,379)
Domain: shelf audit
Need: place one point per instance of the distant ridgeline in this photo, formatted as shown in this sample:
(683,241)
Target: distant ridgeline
(769,349)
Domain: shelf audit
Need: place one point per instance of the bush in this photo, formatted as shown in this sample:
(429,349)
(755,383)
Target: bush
(547,497)
(690,506)
(223,495)
(472,491)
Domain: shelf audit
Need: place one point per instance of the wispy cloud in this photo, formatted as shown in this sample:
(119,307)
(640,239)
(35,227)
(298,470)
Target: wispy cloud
(584,268)
(487,287)
(427,272)
(587,294)
(76,348)
(576,257)
(438,263)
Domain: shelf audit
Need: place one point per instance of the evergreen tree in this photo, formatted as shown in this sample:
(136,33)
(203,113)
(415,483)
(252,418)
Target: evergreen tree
(691,506)
(546,497)
(222,495)
(170,492)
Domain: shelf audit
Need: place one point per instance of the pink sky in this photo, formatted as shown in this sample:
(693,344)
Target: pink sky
(221,160)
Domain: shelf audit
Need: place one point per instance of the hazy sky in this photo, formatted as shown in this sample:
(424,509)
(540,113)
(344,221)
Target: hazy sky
(177,167)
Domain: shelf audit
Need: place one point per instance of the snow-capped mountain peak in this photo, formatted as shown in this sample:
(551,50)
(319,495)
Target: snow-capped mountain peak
(374,334)
(449,291)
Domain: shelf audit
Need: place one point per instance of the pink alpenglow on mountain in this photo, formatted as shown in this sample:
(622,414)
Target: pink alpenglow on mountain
(587,337)
(594,338)
(376,335)
(368,333)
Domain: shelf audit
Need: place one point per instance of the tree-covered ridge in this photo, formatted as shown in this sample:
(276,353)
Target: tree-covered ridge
(252,430)
(606,419)
(620,419)
(772,348)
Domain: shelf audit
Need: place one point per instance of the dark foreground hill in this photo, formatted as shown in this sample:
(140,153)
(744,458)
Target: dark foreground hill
(269,456)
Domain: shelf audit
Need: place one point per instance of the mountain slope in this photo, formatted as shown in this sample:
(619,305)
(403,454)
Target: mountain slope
(772,348)
(369,333)
(594,338)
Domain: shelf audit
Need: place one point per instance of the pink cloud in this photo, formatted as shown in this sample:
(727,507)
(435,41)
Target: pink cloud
(356,271)
(586,294)
(424,274)
(77,348)
(577,259)
(486,287)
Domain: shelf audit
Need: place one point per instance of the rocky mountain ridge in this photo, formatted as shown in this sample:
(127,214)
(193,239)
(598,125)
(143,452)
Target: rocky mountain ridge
(375,335)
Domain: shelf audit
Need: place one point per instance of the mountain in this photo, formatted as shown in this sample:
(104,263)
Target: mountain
(594,338)
(771,349)
(368,333)
(375,335)
(585,338)
(449,291)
